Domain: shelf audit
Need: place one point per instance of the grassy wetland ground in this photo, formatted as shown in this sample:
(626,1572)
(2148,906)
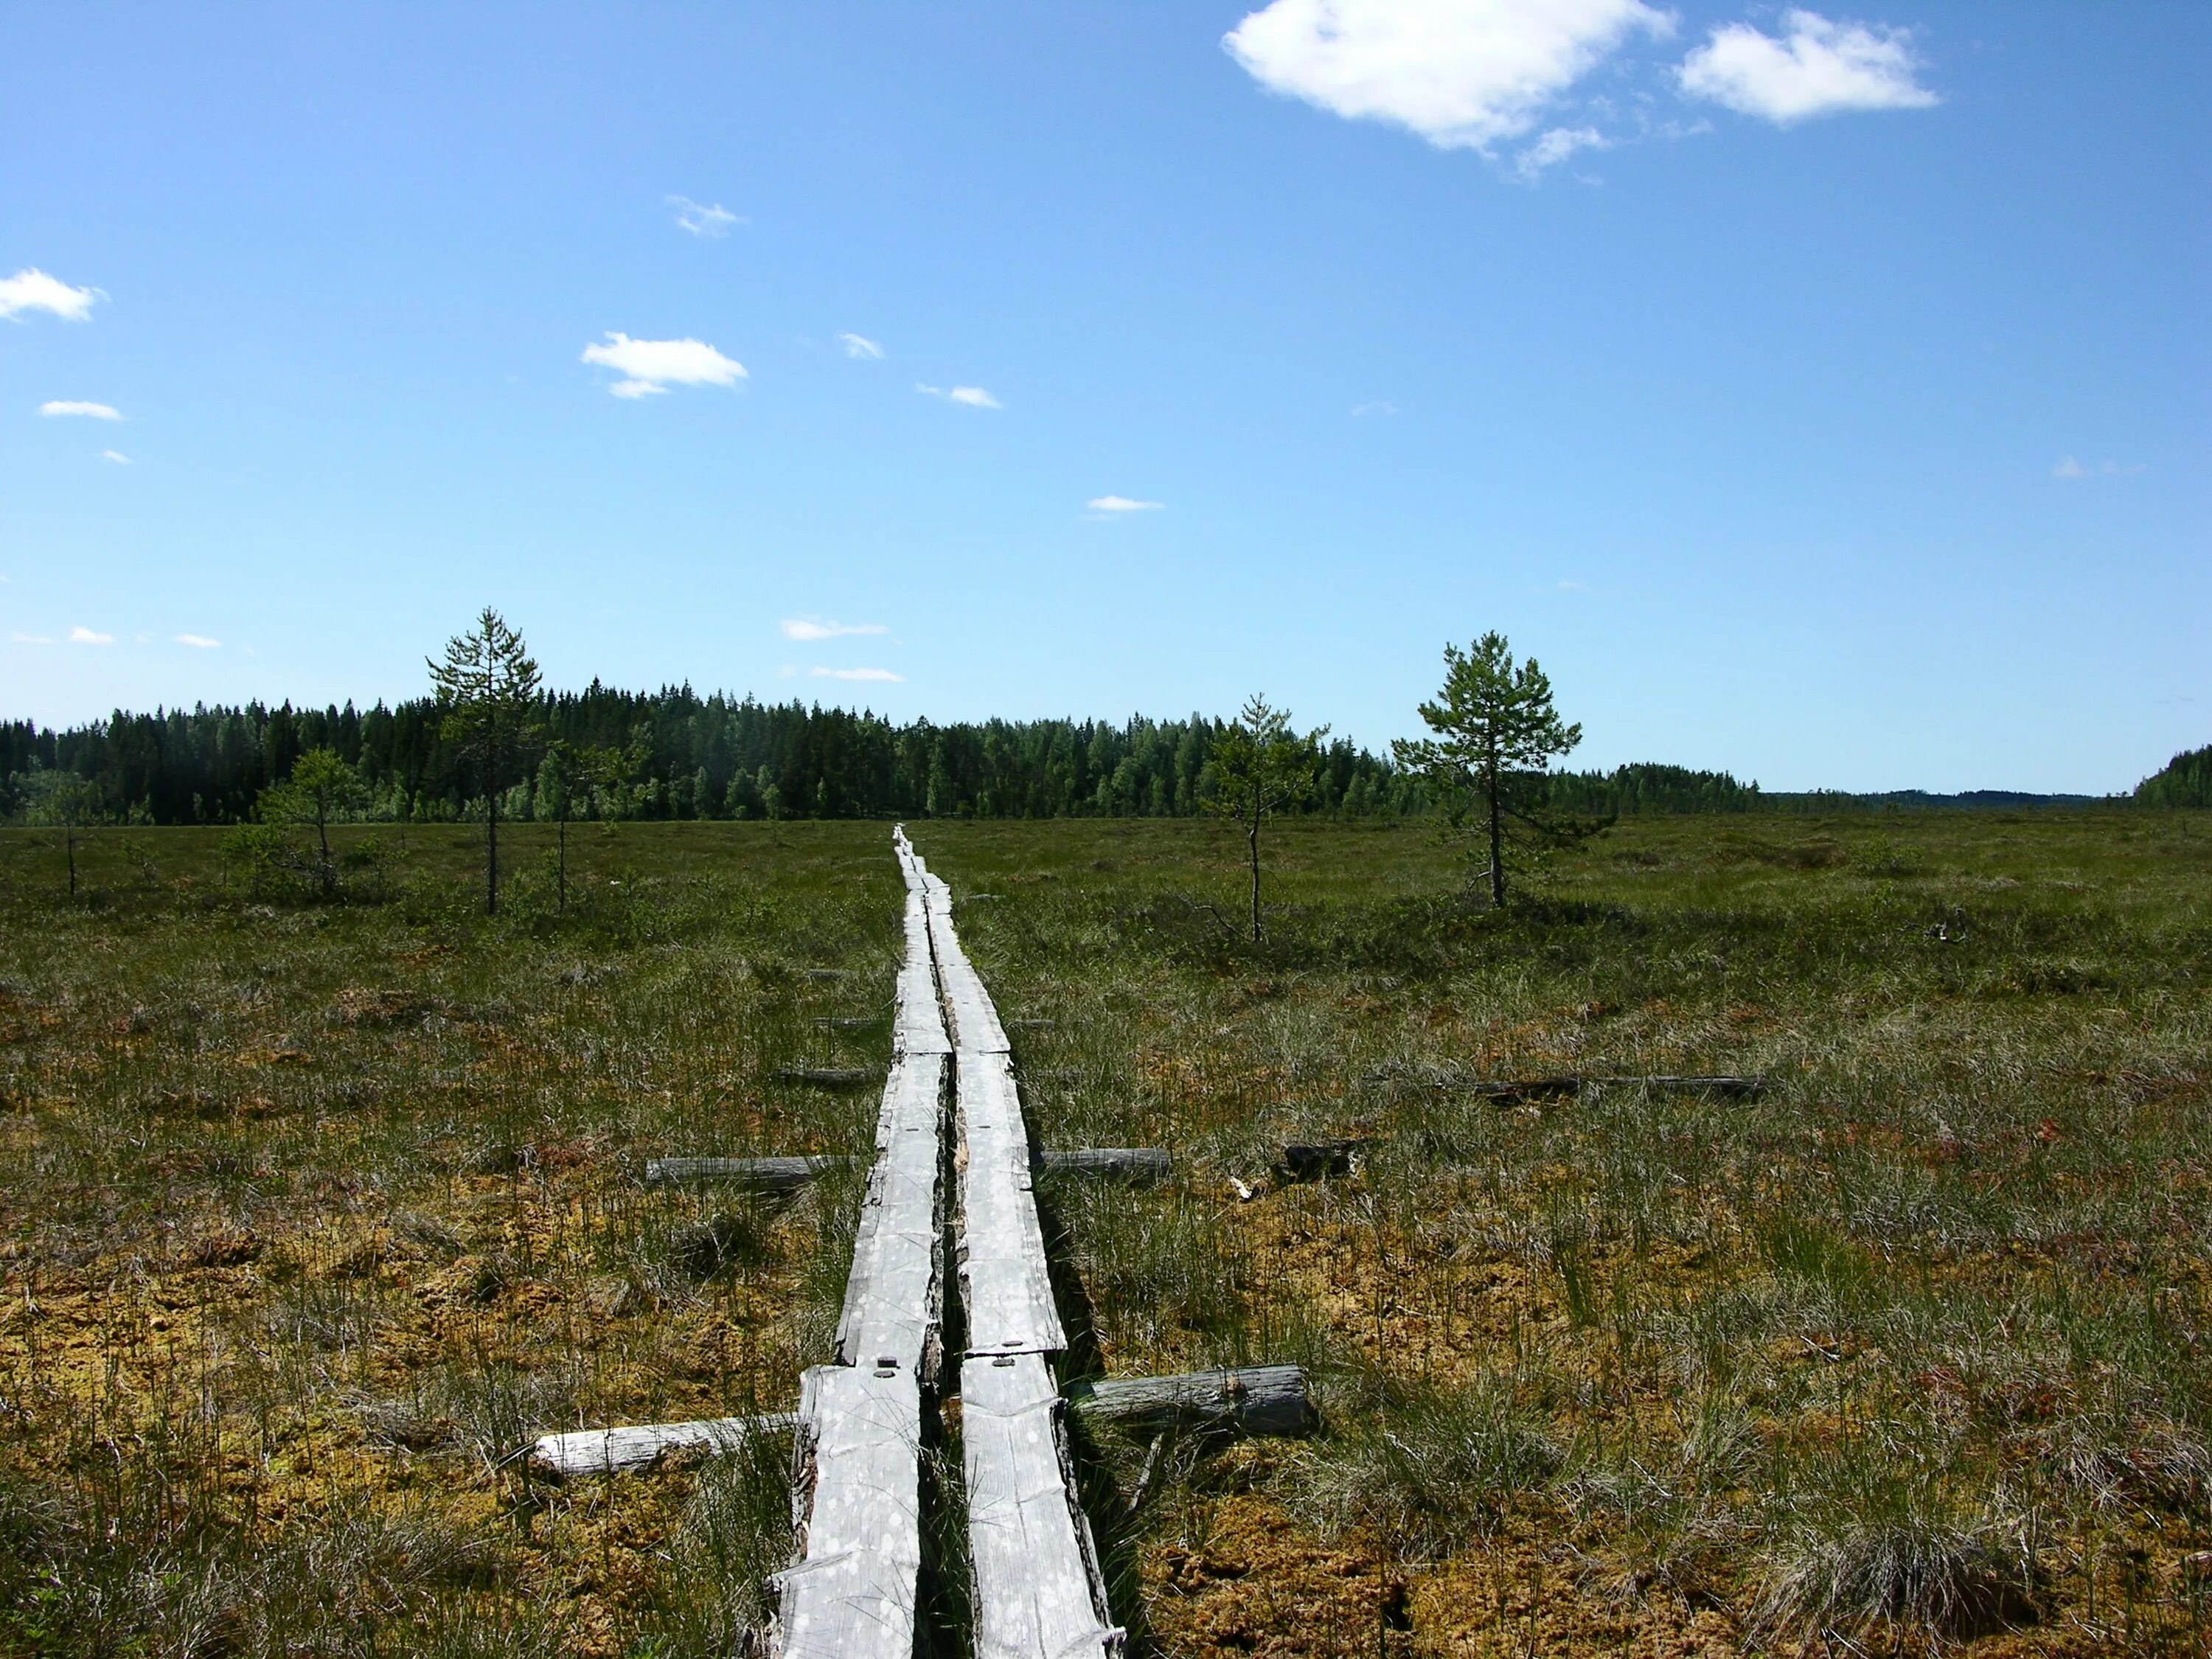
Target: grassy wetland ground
(315,1213)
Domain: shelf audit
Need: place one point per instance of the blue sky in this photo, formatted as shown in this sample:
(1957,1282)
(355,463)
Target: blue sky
(1820,395)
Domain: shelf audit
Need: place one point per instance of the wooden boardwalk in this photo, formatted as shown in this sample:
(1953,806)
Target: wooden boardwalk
(855,1586)
(950,1130)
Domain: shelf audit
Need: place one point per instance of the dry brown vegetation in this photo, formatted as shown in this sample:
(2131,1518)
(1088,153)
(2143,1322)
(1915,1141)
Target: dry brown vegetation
(316,1213)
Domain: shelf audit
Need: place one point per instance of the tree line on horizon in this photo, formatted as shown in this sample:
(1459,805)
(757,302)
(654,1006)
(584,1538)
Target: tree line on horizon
(679,756)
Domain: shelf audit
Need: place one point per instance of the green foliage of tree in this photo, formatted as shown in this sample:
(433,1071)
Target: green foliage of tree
(1487,765)
(1260,767)
(486,690)
(63,801)
(2185,780)
(322,786)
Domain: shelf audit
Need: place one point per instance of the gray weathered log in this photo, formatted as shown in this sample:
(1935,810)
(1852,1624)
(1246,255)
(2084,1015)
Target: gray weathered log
(777,1177)
(828,1077)
(770,1176)
(1256,1399)
(1137,1164)
(614,1451)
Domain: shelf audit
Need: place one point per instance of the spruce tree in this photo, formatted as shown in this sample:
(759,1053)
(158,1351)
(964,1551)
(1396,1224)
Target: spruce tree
(486,690)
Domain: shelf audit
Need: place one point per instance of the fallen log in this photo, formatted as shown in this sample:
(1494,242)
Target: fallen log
(1147,1164)
(1510,1090)
(616,1451)
(1256,1399)
(772,1177)
(779,1177)
(828,1077)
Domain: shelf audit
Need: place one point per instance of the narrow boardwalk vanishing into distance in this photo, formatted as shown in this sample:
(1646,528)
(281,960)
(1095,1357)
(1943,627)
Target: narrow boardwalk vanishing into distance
(952,1153)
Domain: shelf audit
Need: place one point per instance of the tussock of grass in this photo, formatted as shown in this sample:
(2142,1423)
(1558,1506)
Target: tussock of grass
(1435,1468)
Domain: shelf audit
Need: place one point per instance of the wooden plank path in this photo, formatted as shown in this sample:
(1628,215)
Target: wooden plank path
(1039,1593)
(855,1585)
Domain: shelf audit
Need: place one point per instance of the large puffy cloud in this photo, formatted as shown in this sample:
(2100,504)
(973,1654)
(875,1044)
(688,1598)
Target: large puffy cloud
(1818,67)
(1463,74)
(651,366)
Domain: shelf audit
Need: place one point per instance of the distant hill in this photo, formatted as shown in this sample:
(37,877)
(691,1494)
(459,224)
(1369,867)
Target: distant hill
(2185,780)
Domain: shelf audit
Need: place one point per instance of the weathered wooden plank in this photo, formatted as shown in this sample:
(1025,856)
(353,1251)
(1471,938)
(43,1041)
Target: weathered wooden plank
(774,1177)
(1003,1270)
(894,1294)
(855,1586)
(1037,1583)
(1256,1400)
(616,1451)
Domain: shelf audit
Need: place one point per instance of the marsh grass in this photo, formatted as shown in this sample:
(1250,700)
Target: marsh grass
(318,1213)
(1909,1348)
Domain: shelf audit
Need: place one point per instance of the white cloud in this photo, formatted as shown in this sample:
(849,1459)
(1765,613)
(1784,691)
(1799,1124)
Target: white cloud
(1555,146)
(1463,74)
(881,674)
(1373,407)
(704,220)
(199,641)
(116,456)
(2070,468)
(974,396)
(33,290)
(806,628)
(70,406)
(82,635)
(1819,69)
(1123,504)
(653,366)
(20,638)
(858,345)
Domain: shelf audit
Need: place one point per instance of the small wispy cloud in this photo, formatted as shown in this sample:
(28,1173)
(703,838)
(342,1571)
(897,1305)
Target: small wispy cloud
(2070,468)
(22,638)
(1569,585)
(199,641)
(1373,408)
(809,629)
(879,674)
(71,406)
(860,345)
(701,220)
(33,290)
(1555,147)
(1118,504)
(116,456)
(1818,67)
(974,396)
(82,635)
(649,367)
